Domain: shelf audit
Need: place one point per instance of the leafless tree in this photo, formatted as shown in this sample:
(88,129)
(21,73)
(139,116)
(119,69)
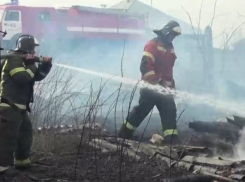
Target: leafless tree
(226,35)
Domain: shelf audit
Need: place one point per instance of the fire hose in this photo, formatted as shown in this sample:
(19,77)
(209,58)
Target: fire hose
(27,56)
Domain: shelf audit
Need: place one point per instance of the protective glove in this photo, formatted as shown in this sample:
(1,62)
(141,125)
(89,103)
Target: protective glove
(46,59)
(151,79)
(169,84)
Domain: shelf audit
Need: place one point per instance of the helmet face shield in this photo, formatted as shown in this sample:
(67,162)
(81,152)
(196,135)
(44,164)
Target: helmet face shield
(36,49)
(177,30)
(19,45)
(36,42)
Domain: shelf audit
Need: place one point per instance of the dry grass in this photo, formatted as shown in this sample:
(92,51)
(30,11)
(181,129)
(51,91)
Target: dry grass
(57,104)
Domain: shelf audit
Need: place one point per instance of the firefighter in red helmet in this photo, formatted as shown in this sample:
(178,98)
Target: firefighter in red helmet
(156,68)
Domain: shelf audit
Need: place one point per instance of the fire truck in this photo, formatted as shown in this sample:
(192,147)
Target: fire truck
(72,24)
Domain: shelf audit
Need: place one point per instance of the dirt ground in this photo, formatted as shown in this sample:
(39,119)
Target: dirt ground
(59,164)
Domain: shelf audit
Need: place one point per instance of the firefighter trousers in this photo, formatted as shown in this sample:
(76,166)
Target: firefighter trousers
(165,105)
(15,136)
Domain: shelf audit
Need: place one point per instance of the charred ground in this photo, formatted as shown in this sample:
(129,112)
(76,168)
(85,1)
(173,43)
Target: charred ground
(63,163)
(92,154)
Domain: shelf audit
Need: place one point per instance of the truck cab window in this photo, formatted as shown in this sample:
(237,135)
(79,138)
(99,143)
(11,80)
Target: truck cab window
(1,14)
(12,16)
(44,16)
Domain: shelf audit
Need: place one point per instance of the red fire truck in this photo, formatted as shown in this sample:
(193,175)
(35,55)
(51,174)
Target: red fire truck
(69,24)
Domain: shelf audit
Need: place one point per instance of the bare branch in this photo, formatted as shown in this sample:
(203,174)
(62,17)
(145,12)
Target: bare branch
(119,90)
(215,4)
(124,41)
(196,36)
(199,19)
(228,36)
(215,17)
(240,14)
(189,16)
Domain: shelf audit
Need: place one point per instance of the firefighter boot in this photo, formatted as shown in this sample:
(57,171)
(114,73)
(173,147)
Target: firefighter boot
(171,140)
(125,132)
(8,172)
(22,164)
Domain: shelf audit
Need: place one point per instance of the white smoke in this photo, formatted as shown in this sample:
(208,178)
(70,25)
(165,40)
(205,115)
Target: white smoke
(240,147)
(225,106)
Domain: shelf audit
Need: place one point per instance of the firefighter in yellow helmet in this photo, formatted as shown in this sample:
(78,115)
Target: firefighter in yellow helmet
(18,77)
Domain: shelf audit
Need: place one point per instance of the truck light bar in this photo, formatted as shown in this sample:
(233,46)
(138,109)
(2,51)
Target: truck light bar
(13,2)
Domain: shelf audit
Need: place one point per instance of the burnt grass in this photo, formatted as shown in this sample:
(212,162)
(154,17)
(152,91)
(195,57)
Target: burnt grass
(59,164)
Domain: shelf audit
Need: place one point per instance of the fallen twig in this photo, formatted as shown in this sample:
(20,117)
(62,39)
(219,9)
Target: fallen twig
(162,154)
(184,148)
(220,178)
(191,178)
(112,147)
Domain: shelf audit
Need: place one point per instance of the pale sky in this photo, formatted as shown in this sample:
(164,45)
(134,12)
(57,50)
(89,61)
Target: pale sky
(227,10)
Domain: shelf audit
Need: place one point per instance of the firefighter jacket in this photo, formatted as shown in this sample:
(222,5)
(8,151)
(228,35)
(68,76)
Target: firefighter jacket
(157,63)
(18,79)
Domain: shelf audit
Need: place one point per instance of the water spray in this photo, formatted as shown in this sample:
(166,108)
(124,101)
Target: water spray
(229,108)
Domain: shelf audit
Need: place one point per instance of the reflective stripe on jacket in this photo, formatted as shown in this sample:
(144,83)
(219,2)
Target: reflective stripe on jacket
(17,81)
(158,61)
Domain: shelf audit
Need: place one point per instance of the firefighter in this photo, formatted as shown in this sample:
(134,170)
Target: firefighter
(156,68)
(18,77)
